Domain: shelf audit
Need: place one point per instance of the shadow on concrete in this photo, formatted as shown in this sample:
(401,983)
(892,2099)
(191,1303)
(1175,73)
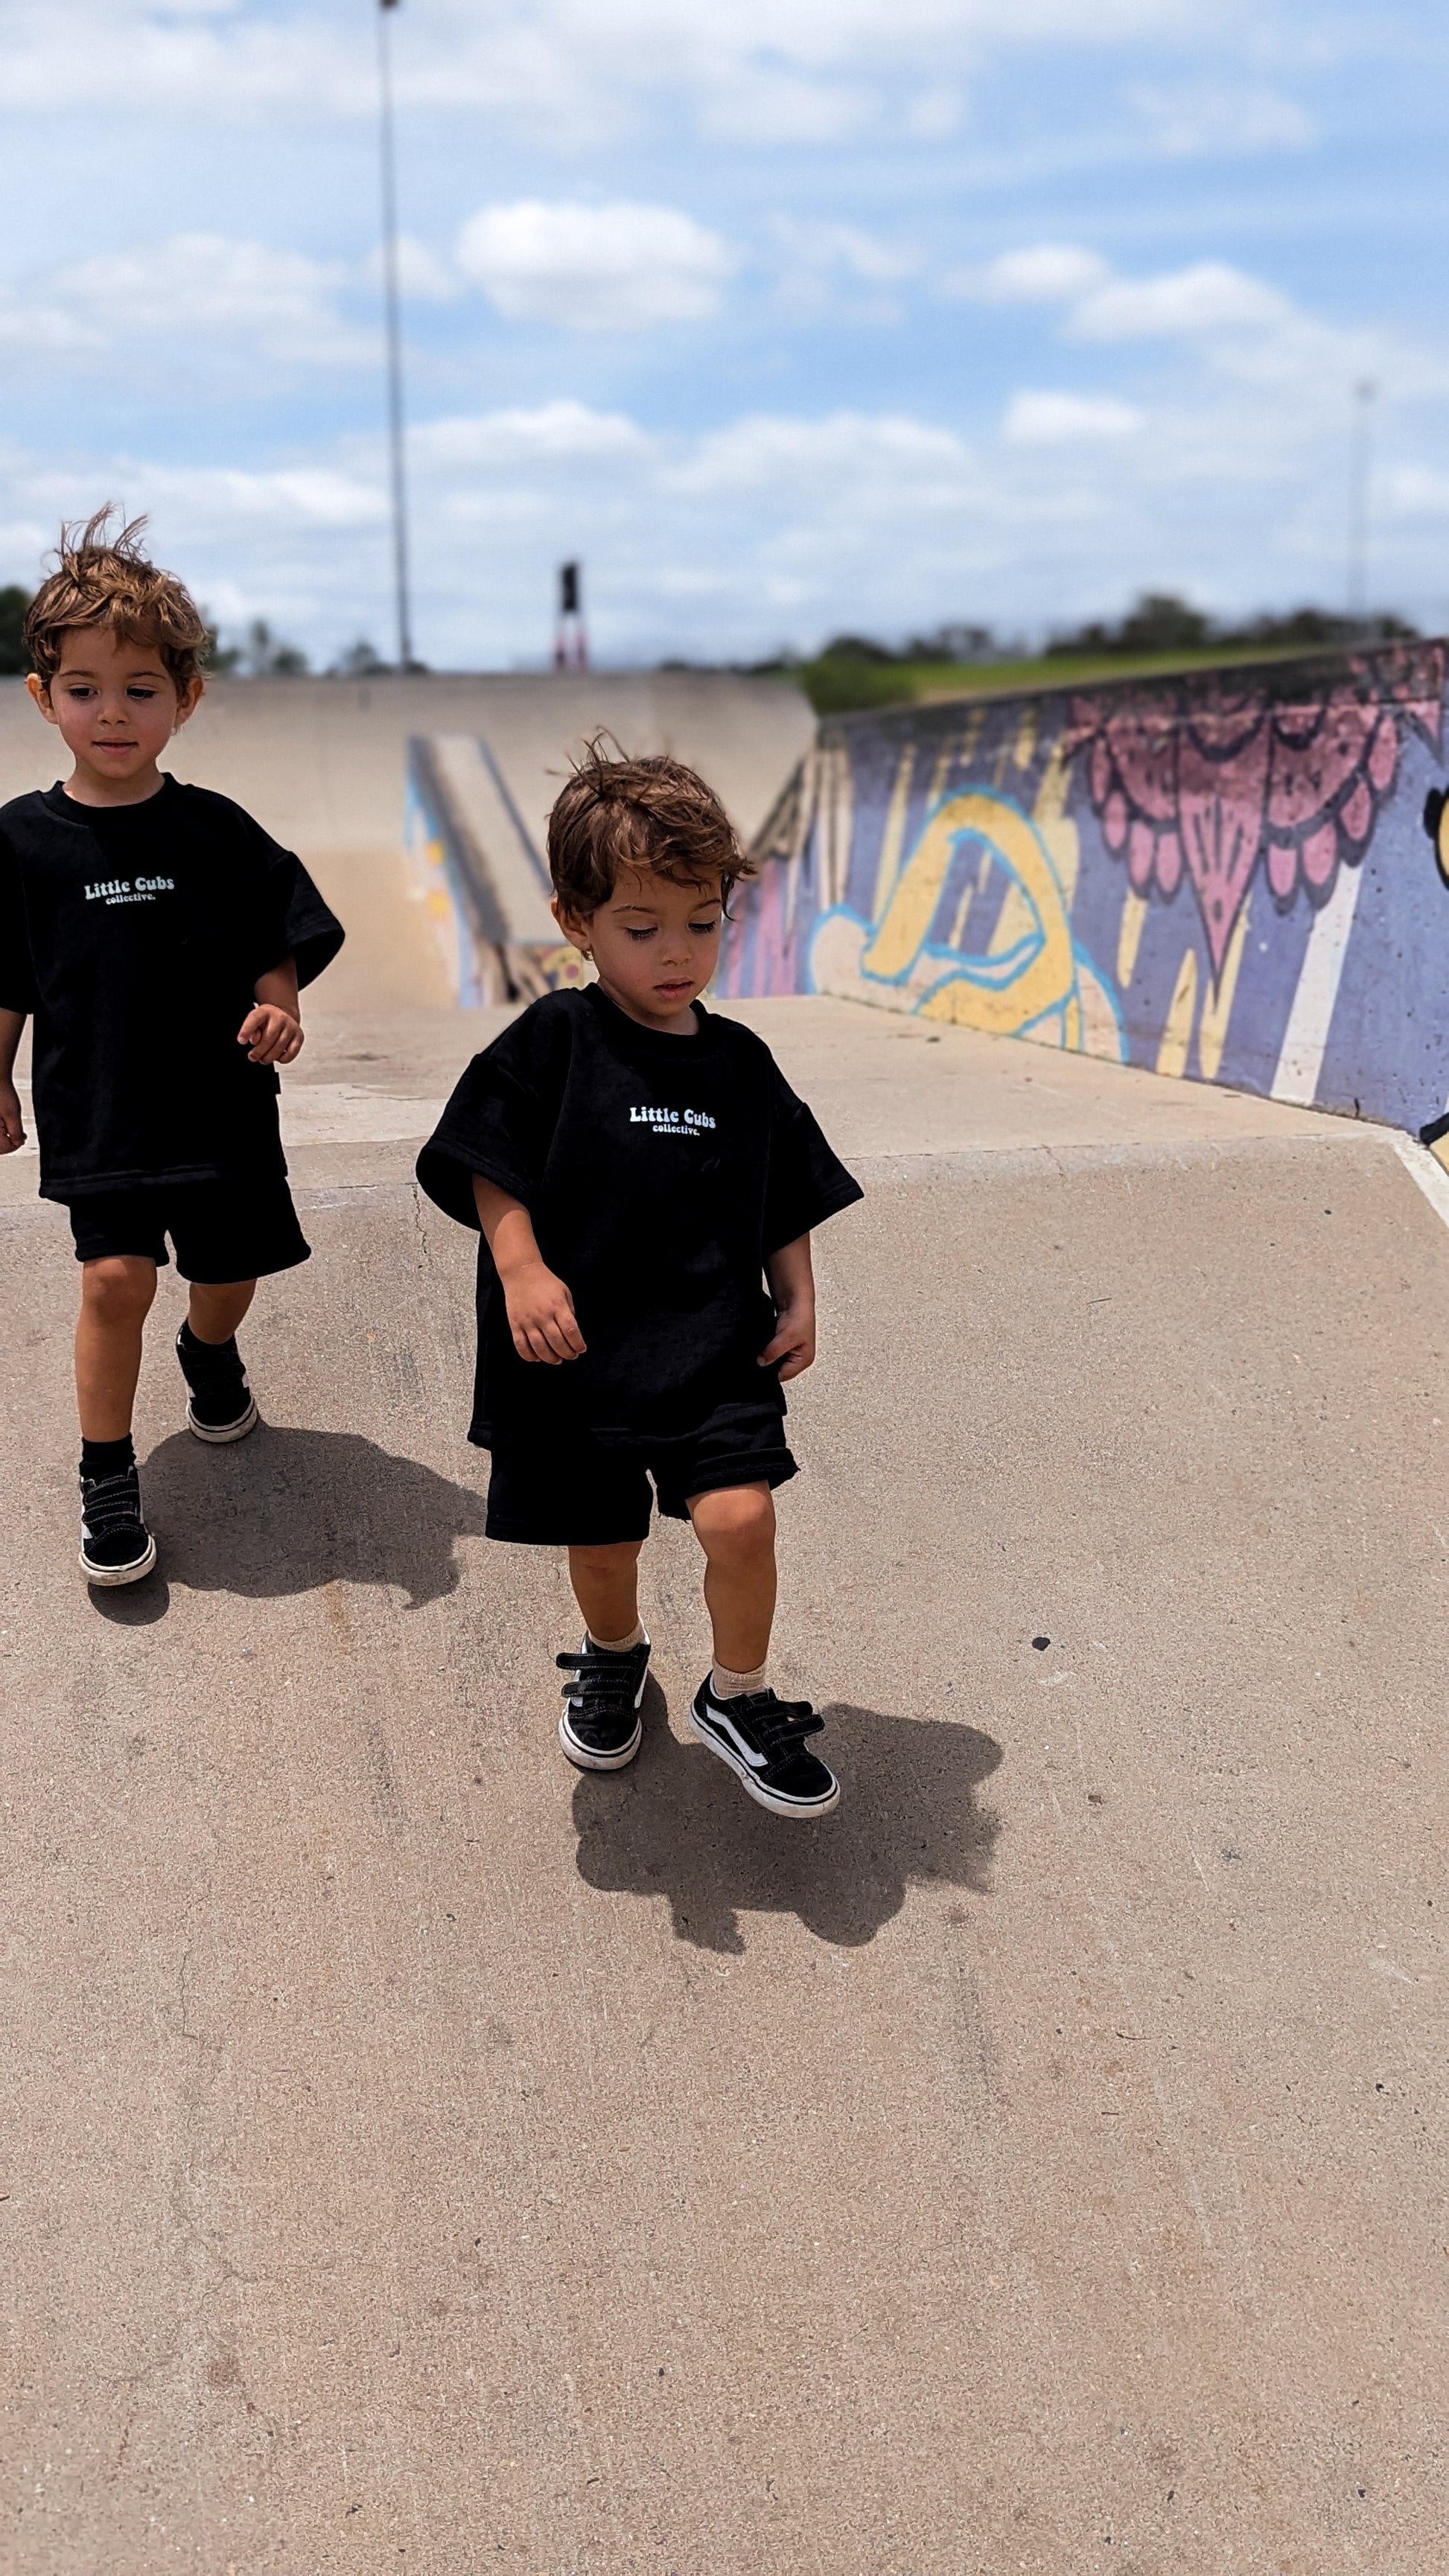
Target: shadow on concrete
(132,1605)
(287,1511)
(677,1824)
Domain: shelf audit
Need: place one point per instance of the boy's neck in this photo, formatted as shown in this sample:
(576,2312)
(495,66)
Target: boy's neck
(86,788)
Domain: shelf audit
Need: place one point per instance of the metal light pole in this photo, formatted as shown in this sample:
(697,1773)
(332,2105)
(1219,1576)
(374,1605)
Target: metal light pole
(1360,473)
(393,309)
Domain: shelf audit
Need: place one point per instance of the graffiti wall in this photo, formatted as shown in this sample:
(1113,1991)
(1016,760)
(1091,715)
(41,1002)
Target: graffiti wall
(1225,877)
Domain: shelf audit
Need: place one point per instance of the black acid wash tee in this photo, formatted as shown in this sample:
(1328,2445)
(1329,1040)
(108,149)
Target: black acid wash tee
(660,1173)
(135,934)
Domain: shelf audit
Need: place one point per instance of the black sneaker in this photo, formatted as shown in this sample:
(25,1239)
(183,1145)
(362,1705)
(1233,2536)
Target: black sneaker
(116,1545)
(601,1728)
(762,1738)
(222,1405)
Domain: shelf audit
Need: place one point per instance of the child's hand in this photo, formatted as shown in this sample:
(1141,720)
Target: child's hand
(270,1034)
(794,1342)
(12,1125)
(541,1315)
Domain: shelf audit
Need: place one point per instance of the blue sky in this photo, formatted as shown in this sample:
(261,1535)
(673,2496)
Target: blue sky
(784,317)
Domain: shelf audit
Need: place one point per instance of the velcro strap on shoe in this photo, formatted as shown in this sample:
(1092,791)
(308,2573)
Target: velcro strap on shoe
(598,1677)
(788,1723)
(111,1501)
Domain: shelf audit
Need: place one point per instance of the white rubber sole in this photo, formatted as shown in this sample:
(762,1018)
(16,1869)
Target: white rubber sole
(583,1760)
(580,1755)
(108,1576)
(755,1788)
(217,1438)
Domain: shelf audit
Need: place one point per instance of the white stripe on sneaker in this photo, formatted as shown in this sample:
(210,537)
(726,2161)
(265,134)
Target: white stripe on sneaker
(721,1718)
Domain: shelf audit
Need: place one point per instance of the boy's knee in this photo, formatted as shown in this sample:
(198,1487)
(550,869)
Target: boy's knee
(118,1289)
(737,1522)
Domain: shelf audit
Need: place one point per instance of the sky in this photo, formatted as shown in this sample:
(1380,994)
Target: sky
(782,316)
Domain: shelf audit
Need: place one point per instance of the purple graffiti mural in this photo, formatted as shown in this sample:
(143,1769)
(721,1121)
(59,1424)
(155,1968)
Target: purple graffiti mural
(1221,876)
(1212,776)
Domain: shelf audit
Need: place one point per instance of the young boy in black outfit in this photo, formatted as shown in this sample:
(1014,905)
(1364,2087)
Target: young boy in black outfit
(158,937)
(639,1169)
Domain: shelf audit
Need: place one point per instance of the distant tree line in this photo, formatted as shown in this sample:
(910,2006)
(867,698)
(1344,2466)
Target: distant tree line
(1159,623)
(260,655)
(1163,623)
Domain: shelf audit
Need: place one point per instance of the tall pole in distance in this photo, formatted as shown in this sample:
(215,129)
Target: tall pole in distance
(1360,474)
(393,308)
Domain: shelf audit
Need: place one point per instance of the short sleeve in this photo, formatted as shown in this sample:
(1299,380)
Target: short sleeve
(299,924)
(17,967)
(499,1122)
(808,1182)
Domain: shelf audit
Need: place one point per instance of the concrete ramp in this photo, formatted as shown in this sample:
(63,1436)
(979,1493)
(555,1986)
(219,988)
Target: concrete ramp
(324,764)
(422,2158)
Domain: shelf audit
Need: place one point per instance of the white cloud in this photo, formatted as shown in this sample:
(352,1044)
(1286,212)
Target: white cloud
(1413,492)
(203,282)
(757,70)
(1189,120)
(899,458)
(1044,420)
(1047,273)
(934,114)
(191,288)
(1208,297)
(423,278)
(558,433)
(767,105)
(825,245)
(775,526)
(596,268)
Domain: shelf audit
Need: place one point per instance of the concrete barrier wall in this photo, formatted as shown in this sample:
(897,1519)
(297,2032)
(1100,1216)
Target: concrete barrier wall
(478,801)
(1224,876)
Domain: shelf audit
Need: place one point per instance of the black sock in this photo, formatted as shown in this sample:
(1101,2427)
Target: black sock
(190,1342)
(107,1457)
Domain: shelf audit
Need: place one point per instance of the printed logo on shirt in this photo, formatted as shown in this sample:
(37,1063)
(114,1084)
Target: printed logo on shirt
(130,889)
(672,1122)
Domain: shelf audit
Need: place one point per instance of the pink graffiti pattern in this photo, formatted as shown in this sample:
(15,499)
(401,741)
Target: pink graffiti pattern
(1211,778)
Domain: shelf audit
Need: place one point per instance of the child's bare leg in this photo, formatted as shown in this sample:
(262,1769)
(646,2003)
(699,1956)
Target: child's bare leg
(215,1311)
(116,1297)
(736,1529)
(763,1739)
(601,1728)
(606,1587)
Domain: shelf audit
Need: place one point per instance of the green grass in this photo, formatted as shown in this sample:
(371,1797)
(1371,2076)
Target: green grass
(836,684)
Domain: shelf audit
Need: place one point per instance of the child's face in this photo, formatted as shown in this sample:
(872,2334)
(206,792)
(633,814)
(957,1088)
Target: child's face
(116,706)
(655,944)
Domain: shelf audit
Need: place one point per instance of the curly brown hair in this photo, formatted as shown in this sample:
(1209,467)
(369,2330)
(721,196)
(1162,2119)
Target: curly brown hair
(105,580)
(651,813)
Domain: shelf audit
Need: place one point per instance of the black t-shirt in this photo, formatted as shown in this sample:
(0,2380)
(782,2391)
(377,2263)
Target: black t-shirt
(660,1173)
(135,934)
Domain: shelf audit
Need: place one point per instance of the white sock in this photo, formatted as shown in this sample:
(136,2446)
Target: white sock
(618,1645)
(727,1685)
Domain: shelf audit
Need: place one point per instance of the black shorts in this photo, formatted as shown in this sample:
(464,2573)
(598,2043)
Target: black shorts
(223,1230)
(583,1492)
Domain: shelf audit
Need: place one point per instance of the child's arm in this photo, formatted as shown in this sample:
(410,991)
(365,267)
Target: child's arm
(12,1125)
(792,1285)
(272,1033)
(540,1309)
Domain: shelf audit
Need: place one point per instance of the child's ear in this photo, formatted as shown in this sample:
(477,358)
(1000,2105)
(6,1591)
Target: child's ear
(188,700)
(575,931)
(40,692)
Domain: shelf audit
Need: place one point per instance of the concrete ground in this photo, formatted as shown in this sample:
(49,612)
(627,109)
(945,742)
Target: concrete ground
(421,2158)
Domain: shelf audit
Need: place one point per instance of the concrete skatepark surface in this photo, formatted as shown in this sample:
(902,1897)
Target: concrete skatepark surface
(423,2158)
(322,763)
